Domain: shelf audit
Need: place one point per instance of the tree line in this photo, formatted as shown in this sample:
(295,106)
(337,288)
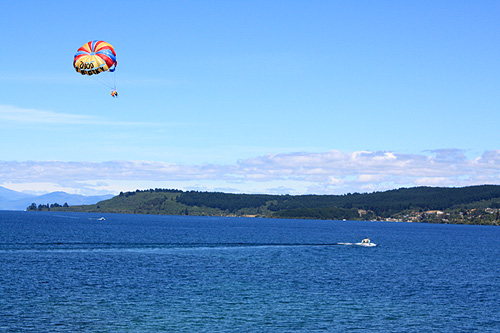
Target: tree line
(40,207)
(383,204)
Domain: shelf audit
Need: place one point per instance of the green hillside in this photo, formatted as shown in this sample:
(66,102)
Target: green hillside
(471,205)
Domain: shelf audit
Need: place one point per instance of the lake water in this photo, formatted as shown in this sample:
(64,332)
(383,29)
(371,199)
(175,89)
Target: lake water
(63,272)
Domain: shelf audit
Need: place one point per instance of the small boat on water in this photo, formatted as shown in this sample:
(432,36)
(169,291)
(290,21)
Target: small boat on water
(101,219)
(366,244)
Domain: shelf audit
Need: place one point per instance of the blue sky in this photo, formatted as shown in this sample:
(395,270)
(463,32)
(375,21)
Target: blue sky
(251,96)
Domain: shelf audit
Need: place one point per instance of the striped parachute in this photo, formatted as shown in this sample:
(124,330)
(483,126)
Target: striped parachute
(95,57)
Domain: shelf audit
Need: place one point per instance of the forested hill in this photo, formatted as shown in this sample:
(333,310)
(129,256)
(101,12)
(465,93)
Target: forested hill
(474,204)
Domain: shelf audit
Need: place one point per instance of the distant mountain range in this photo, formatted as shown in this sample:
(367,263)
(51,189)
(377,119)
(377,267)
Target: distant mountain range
(13,200)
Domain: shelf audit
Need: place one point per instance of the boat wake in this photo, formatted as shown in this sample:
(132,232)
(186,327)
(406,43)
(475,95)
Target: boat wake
(150,247)
(359,244)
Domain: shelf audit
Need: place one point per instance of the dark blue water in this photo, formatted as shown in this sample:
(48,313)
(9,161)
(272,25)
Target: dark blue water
(64,272)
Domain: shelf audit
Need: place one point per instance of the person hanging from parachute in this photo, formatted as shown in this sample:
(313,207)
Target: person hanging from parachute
(96,58)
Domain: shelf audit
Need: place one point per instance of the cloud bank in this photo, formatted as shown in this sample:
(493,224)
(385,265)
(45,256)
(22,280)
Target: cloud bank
(331,172)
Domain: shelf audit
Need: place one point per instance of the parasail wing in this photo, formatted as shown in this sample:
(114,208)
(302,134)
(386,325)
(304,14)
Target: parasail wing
(95,57)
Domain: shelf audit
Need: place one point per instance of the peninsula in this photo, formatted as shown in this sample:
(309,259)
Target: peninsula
(465,205)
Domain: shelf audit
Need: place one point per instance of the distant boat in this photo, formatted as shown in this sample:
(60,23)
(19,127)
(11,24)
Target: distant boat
(366,244)
(101,219)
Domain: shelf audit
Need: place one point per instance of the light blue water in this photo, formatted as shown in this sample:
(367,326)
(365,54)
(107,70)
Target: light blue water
(63,272)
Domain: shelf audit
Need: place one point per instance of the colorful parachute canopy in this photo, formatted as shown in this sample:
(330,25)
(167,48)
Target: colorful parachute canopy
(95,57)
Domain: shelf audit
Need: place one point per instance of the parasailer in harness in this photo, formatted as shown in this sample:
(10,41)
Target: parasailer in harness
(114,93)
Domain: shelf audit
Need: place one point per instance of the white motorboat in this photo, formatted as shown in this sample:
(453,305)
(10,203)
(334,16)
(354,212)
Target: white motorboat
(365,244)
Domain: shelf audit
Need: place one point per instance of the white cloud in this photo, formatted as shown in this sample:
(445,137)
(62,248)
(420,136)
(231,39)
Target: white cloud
(294,173)
(21,115)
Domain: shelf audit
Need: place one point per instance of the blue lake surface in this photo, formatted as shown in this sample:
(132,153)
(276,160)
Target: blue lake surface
(62,272)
